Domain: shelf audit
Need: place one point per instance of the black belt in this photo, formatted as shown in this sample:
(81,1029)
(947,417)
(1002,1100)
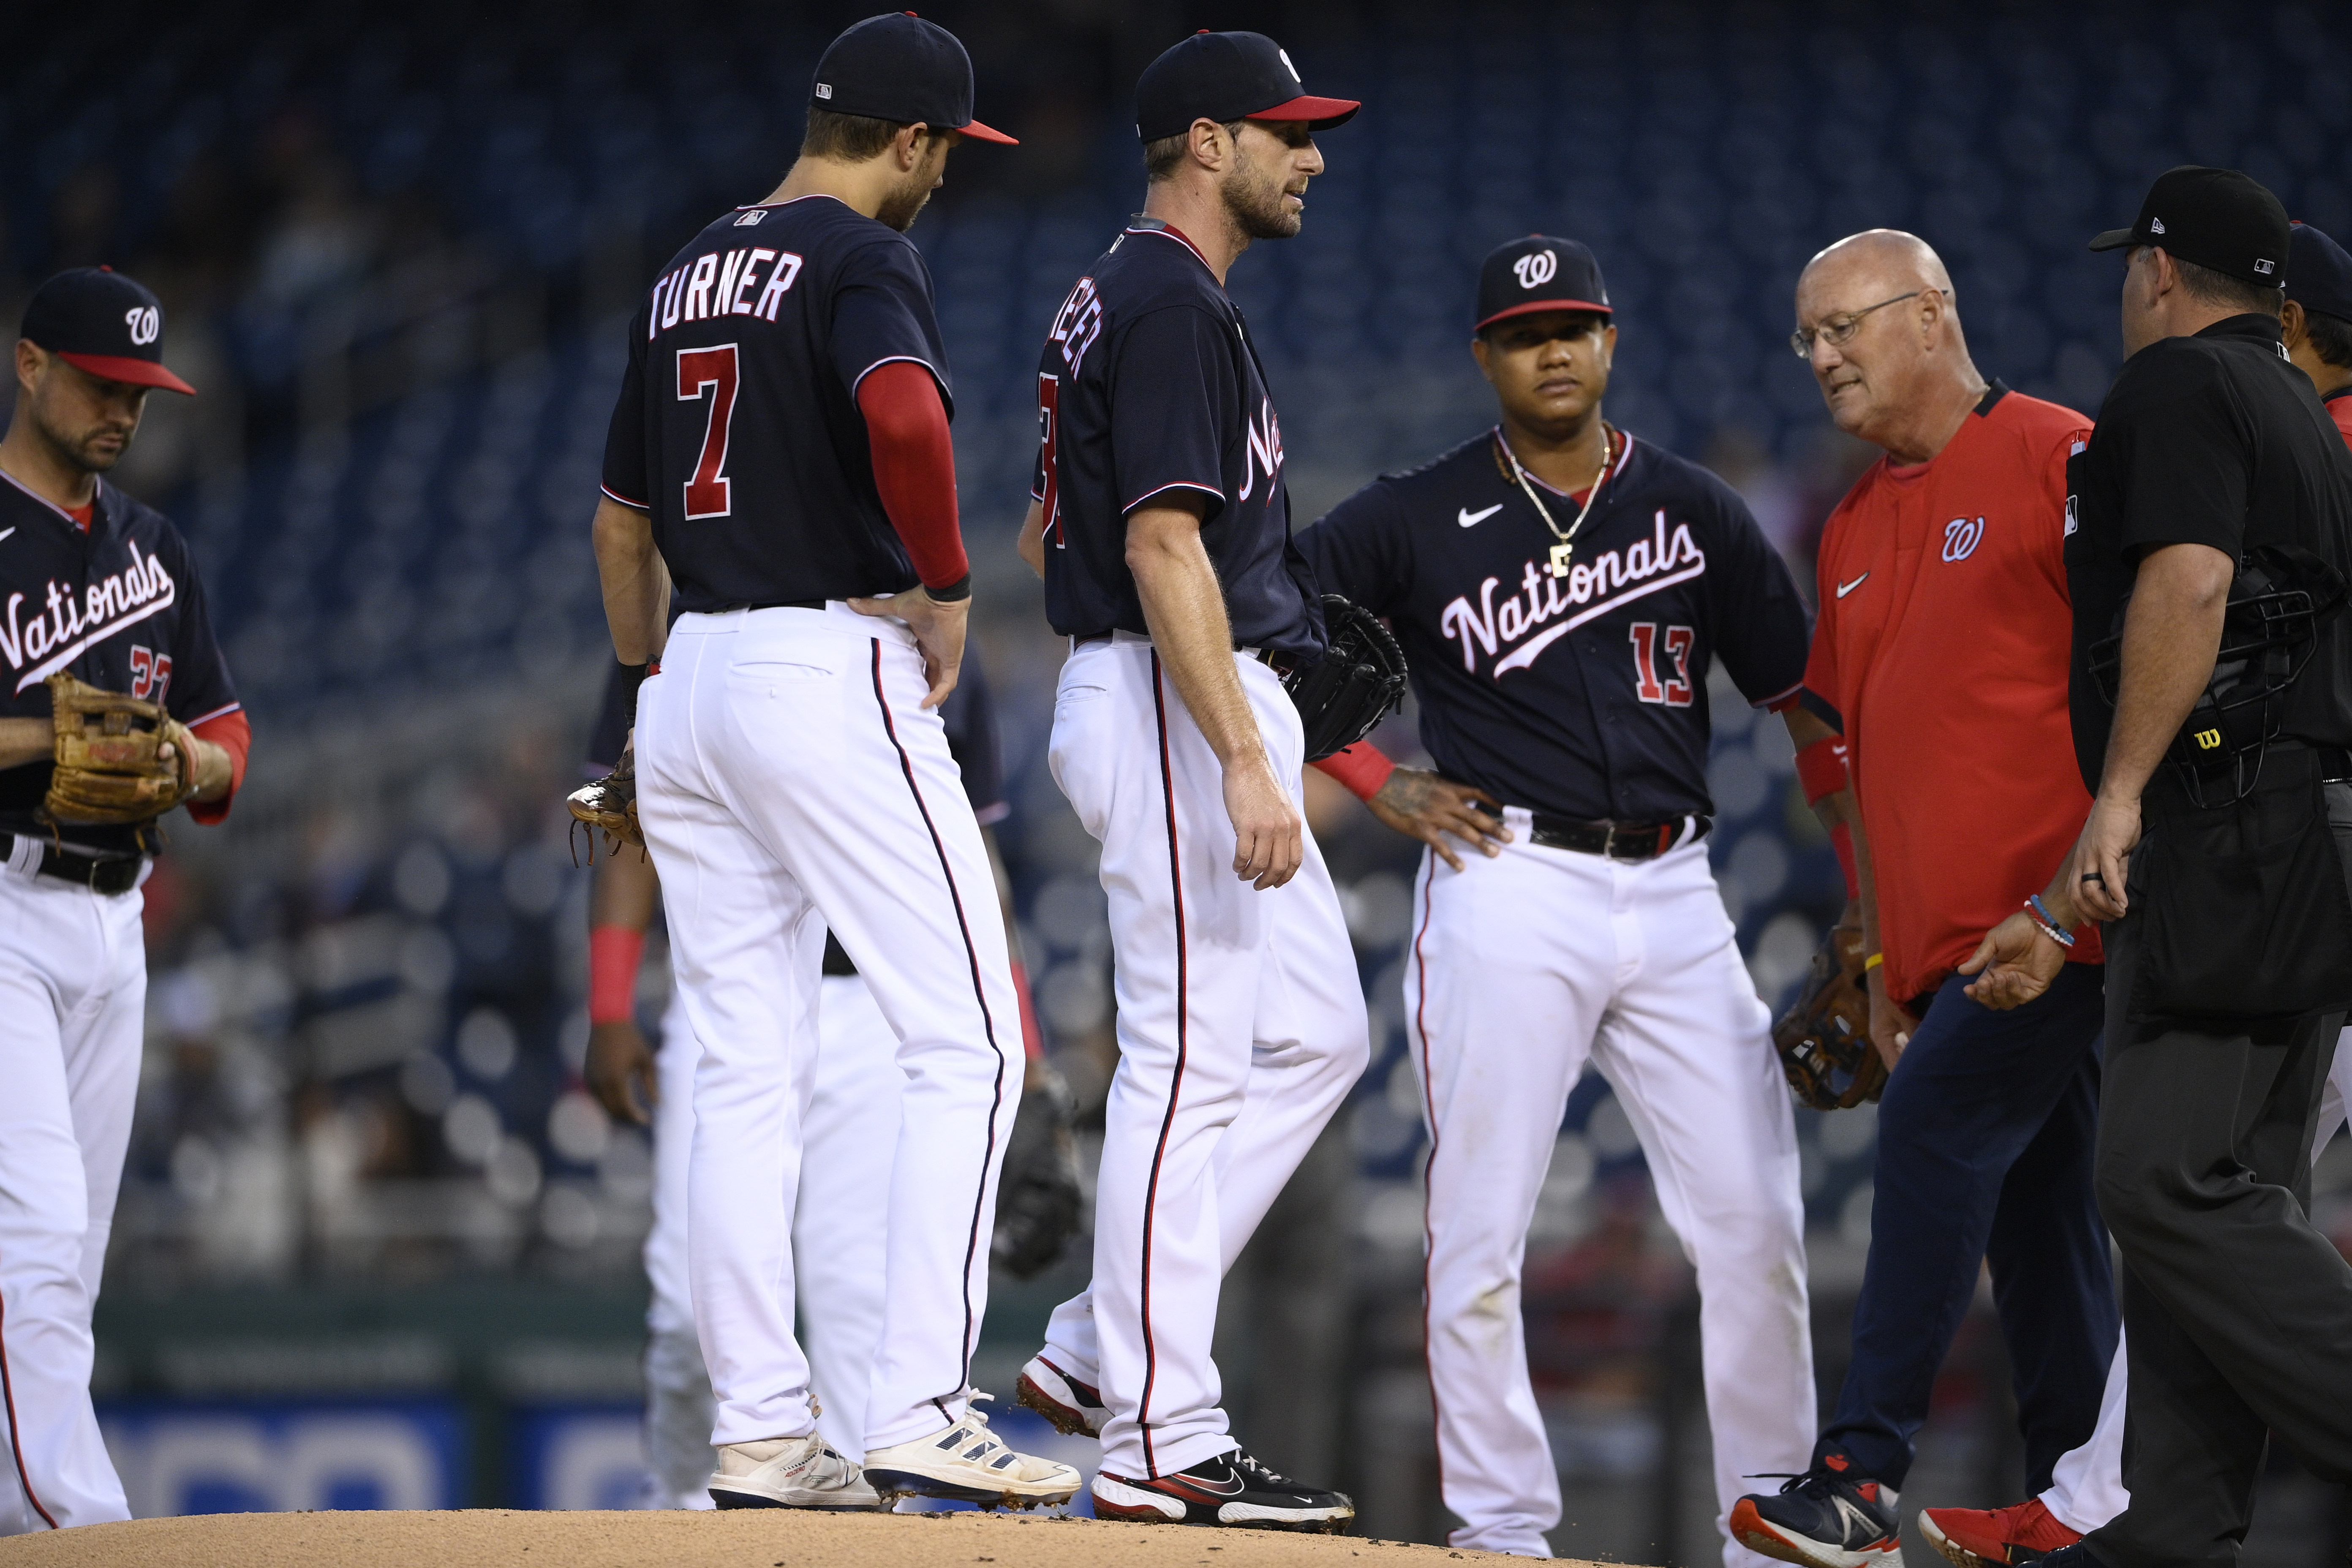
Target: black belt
(2334,764)
(772,604)
(1618,840)
(1280,663)
(107,874)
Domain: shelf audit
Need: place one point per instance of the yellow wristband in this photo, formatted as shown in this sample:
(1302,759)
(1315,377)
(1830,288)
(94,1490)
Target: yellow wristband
(1873,961)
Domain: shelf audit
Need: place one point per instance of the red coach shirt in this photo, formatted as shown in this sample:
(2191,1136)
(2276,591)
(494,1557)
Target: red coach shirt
(2339,408)
(1942,643)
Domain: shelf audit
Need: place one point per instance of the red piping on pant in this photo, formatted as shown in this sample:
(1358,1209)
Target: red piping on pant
(1429,1104)
(16,1433)
(988,1022)
(1176,1082)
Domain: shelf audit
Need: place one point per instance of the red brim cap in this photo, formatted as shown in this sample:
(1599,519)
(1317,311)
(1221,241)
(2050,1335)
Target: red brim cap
(1320,113)
(137,371)
(1532,306)
(987,133)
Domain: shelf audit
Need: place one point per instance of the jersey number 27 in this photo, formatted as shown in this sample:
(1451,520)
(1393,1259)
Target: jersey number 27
(708,492)
(1674,690)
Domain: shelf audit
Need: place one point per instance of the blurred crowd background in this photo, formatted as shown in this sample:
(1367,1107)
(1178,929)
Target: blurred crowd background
(397,247)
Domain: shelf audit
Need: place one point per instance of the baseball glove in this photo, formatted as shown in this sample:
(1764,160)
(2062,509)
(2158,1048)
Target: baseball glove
(609,806)
(1824,1037)
(1359,682)
(111,766)
(1038,1201)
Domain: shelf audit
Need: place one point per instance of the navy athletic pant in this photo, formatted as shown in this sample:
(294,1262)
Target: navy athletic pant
(1985,1141)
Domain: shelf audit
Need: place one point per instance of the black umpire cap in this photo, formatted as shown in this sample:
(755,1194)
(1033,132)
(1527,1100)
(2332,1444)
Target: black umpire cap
(898,67)
(1539,273)
(1226,76)
(2219,218)
(98,321)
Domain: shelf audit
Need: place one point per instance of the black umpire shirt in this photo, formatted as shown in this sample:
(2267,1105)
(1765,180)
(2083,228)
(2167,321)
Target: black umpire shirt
(2214,440)
(737,427)
(117,604)
(1148,386)
(1586,696)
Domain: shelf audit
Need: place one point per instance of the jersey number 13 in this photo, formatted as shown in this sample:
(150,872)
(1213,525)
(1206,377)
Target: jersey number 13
(1674,690)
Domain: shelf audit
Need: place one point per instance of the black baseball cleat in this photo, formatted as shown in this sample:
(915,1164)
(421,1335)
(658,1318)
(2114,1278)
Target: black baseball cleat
(1232,1490)
(1827,1518)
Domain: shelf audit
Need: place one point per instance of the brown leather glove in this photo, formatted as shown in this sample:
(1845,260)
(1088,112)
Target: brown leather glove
(111,766)
(1823,1039)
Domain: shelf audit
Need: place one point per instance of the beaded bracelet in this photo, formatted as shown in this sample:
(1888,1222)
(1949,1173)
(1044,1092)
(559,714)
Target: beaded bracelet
(2049,927)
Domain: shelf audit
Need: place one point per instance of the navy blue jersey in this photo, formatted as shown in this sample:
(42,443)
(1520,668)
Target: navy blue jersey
(968,716)
(738,426)
(1583,697)
(1149,384)
(119,607)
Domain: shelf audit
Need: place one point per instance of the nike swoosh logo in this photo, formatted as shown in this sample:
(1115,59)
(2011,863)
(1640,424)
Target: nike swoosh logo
(5,532)
(1845,589)
(1466,517)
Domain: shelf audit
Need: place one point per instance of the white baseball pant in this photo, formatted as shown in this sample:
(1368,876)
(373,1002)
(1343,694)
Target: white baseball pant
(849,1136)
(788,779)
(2087,1485)
(1241,1027)
(73,992)
(1522,968)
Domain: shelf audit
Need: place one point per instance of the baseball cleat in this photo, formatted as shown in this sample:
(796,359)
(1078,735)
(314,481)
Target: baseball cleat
(1823,1519)
(965,1462)
(1995,1537)
(789,1472)
(1231,1490)
(1072,1408)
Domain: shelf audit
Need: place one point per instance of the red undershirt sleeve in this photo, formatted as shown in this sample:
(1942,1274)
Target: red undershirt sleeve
(914,468)
(233,733)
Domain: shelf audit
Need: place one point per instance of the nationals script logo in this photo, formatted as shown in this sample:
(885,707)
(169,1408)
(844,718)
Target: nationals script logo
(1611,579)
(56,633)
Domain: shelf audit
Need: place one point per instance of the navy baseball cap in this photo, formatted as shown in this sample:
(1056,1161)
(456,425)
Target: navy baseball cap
(1539,273)
(1226,76)
(2318,273)
(96,320)
(2219,218)
(900,67)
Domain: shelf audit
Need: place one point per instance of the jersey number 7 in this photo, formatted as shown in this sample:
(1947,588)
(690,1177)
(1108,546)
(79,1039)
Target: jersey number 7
(708,492)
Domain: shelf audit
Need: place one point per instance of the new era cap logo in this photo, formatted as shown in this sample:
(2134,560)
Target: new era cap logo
(2155,226)
(1537,269)
(824,89)
(2263,266)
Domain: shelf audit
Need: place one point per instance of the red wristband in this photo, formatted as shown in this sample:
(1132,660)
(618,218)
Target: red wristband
(1362,767)
(1033,1038)
(1821,768)
(614,954)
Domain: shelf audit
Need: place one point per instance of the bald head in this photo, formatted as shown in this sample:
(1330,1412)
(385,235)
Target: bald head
(1885,342)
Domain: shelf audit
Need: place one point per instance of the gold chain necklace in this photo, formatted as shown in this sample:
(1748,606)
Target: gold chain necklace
(1561,551)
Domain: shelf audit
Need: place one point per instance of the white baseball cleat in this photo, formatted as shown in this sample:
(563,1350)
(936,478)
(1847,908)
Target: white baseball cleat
(789,1472)
(1069,1406)
(966,1462)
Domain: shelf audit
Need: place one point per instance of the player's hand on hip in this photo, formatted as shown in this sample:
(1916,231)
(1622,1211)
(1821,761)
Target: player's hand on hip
(939,633)
(1891,1024)
(2014,963)
(620,1070)
(2103,858)
(1269,835)
(1419,805)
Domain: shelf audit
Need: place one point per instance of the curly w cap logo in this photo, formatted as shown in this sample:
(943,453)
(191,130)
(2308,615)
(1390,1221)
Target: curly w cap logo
(1962,534)
(146,323)
(1536,268)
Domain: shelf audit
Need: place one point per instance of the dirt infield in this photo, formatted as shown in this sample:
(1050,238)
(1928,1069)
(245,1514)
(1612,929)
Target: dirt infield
(503,1538)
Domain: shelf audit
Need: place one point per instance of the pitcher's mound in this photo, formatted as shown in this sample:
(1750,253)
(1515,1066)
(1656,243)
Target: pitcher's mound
(502,1538)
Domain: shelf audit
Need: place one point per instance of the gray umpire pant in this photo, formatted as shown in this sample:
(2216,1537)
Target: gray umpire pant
(2237,1312)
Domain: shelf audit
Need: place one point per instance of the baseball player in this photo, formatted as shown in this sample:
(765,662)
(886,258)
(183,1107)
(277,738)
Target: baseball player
(1940,660)
(96,586)
(1161,527)
(779,456)
(2086,1488)
(849,1134)
(1561,589)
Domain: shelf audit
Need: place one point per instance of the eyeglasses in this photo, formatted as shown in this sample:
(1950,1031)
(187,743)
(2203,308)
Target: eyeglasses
(1838,330)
